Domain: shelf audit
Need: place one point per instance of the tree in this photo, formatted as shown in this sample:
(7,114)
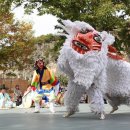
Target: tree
(16,43)
(109,15)
(5,6)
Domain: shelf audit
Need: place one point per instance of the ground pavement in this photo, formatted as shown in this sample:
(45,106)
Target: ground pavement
(25,119)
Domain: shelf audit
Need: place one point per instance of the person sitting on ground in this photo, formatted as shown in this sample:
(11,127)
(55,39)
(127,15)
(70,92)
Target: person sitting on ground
(5,101)
(17,95)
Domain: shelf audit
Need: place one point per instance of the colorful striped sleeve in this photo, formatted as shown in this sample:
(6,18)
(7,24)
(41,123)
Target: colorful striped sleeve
(53,80)
(35,80)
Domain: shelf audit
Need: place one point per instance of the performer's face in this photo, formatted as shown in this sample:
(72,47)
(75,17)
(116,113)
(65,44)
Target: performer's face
(17,87)
(40,64)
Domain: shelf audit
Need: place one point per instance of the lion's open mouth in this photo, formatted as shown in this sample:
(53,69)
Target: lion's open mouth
(79,45)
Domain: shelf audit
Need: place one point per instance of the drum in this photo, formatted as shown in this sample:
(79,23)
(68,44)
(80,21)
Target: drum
(27,100)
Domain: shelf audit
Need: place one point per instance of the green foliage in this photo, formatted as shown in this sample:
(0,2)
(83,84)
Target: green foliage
(63,80)
(16,43)
(5,6)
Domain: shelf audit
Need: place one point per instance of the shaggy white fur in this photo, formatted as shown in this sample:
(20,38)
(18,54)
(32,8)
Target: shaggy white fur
(93,72)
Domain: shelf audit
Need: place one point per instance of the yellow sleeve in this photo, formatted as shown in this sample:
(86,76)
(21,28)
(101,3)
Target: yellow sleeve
(35,80)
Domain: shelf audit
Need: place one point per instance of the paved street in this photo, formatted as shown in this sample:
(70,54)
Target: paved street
(24,119)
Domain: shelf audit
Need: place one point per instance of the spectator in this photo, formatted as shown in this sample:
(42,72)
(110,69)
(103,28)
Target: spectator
(17,95)
(5,101)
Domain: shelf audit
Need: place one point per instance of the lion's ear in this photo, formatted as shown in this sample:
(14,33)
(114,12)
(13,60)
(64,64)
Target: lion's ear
(107,38)
(72,28)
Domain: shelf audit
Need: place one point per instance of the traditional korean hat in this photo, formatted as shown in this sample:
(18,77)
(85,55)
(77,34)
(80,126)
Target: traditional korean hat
(3,87)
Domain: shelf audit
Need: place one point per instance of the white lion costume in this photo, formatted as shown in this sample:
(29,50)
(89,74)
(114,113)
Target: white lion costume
(93,65)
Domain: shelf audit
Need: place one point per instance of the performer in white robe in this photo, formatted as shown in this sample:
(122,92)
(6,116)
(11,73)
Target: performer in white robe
(5,100)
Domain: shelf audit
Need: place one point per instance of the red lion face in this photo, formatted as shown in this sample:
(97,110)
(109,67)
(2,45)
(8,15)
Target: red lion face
(91,40)
(84,42)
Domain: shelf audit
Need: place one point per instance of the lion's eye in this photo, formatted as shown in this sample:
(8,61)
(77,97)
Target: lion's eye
(75,42)
(84,48)
(97,38)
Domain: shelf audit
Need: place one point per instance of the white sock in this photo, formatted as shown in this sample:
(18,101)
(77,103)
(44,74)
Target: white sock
(52,107)
(37,107)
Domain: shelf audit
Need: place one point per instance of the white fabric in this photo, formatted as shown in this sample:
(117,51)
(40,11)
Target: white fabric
(37,107)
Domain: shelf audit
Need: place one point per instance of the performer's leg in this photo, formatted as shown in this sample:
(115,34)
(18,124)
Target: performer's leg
(114,102)
(114,108)
(37,98)
(51,98)
(72,97)
(96,101)
(51,107)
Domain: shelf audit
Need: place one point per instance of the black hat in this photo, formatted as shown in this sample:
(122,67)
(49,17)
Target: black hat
(3,87)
